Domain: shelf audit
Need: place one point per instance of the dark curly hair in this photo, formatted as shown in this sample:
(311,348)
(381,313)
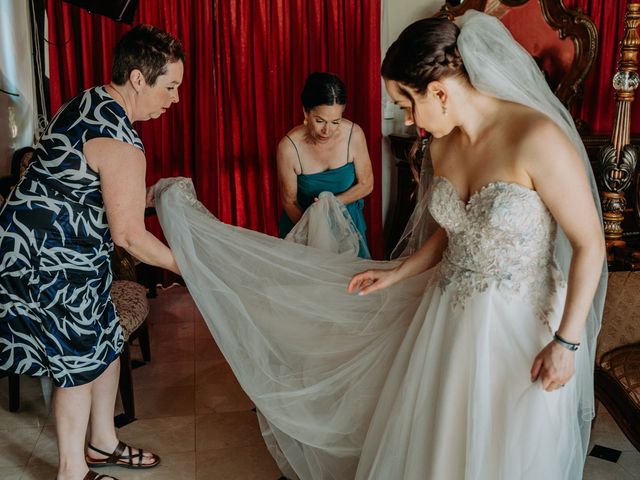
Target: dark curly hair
(148,49)
(424,52)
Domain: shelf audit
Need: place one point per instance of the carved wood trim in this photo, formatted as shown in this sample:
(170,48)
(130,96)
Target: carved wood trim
(618,402)
(569,23)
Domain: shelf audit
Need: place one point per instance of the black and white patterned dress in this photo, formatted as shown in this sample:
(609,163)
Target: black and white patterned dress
(56,314)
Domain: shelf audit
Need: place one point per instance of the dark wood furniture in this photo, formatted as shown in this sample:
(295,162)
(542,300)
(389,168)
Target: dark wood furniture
(617,368)
(406,186)
(569,24)
(130,299)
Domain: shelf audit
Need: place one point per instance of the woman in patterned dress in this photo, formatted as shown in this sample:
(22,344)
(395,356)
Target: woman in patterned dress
(84,191)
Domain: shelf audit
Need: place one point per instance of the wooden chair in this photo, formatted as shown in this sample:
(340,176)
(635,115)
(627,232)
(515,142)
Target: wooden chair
(564,42)
(617,370)
(132,305)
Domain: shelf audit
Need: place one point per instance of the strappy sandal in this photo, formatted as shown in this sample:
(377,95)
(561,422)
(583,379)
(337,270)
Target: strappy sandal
(96,476)
(118,459)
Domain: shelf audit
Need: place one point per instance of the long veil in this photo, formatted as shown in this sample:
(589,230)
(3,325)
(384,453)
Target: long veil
(327,225)
(499,66)
(311,357)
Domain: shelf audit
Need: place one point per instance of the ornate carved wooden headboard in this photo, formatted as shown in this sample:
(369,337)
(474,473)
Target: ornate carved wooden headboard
(563,41)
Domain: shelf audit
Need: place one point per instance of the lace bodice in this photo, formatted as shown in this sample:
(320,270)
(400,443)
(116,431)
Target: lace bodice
(503,234)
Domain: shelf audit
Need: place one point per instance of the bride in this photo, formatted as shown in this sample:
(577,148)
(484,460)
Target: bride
(470,359)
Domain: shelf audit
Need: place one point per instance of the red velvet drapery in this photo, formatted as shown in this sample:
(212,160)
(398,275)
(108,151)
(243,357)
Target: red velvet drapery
(246,63)
(264,51)
(597,106)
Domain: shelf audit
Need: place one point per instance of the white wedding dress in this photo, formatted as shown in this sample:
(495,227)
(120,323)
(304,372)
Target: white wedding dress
(428,379)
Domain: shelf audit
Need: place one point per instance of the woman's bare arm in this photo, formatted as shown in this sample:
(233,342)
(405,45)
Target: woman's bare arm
(121,168)
(560,179)
(362,164)
(288,179)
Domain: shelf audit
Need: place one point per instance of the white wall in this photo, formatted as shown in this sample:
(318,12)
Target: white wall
(17,117)
(396,15)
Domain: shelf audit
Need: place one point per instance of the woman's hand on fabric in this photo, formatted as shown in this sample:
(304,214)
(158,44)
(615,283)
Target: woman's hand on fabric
(372,280)
(151,197)
(554,366)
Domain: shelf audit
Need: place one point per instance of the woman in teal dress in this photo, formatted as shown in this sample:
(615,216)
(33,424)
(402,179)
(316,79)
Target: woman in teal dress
(327,153)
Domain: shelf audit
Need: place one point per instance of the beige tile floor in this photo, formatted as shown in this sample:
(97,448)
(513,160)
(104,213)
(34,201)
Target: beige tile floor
(191,410)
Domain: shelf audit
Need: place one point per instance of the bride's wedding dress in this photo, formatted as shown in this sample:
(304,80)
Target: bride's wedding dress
(428,379)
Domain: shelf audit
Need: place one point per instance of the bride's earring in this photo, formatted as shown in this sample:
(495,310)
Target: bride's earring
(304,122)
(444,109)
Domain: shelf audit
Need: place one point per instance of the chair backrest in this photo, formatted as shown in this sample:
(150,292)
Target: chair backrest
(564,42)
(621,320)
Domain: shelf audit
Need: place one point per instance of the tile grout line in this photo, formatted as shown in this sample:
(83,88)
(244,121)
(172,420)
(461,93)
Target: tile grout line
(33,449)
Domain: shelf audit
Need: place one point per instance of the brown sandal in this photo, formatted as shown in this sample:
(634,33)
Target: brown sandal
(96,476)
(119,460)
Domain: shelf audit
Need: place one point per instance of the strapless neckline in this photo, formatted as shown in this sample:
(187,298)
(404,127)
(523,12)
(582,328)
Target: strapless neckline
(487,187)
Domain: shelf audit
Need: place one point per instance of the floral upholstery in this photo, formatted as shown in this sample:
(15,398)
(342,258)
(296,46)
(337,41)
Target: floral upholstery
(621,320)
(623,364)
(130,299)
(618,354)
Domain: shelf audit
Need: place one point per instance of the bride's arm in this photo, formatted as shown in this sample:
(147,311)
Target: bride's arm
(423,259)
(559,177)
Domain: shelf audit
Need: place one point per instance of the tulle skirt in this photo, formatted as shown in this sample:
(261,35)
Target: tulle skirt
(400,384)
(458,402)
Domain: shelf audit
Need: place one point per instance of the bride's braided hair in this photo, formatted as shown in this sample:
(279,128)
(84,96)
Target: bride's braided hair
(425,51)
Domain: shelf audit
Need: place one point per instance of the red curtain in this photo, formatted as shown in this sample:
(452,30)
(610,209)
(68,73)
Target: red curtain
(264,51)
(246,64)
(80,56)
(597,106)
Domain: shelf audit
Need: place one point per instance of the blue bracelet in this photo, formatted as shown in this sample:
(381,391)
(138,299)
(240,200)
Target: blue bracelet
(568,345)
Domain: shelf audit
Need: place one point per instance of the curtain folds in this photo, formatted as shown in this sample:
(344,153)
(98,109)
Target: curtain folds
(264,51)
(246,64)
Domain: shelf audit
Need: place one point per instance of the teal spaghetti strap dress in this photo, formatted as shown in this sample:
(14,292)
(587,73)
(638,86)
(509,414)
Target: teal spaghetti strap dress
(336,181)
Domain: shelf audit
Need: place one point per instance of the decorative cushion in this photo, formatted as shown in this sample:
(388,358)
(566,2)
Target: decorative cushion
(623,364)
(130,299)
(621,320)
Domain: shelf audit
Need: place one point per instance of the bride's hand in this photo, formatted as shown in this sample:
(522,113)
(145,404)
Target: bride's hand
(372,280)
(554,365)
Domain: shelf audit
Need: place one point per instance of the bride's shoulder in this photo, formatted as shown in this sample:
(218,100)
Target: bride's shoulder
(527,125)
(539,139)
